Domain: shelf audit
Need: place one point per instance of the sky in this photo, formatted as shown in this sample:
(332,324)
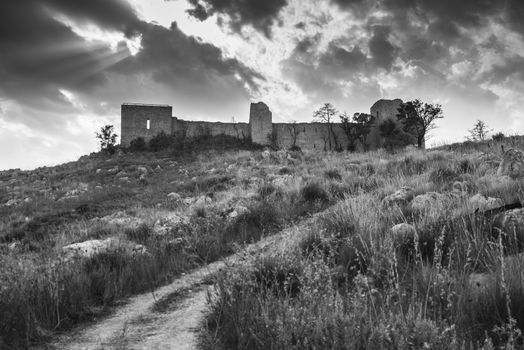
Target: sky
(66,66)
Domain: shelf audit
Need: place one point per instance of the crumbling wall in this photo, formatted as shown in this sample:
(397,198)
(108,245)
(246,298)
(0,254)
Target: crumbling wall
(135,117)
(193,129)
(261,123)
(310,136)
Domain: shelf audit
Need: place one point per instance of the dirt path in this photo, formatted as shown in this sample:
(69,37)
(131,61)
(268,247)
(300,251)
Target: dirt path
(167,318)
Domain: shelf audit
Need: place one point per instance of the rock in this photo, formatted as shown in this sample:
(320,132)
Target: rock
(400,197)
(482,202)
(142,179)
(113,171)
(175,197)
(123,179)
(13,246)
(461,188)
(480,286)
(88,249)
(427,200)
(120,218)
(98,171)
(188,200)
(12,202)
(512,163)
(266,154)
(142,170)
(403,233)
(237,211)
(203,200)
(166,224)
(511,222)
(230,167)
(121,174)
(403,236)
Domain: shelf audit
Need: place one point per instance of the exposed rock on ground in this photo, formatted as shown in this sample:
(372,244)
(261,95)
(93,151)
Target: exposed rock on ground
(400,197)
(90,248)
(512,163)
(482,202)
(427,200)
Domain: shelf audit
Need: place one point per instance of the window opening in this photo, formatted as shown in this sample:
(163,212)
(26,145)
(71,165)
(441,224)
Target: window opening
(148,124)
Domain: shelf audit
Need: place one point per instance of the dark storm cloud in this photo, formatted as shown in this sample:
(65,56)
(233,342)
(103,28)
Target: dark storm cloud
(320,74)
(381,50)
(260,14)
(176,59)
(113,14)
(40,55)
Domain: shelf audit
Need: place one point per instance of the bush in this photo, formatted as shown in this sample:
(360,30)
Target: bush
(498,137)
(138,145)
(333,174)
(161,142)
(442,175)
(314,192)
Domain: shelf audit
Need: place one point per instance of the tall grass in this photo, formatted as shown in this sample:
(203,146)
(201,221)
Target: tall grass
(455,283)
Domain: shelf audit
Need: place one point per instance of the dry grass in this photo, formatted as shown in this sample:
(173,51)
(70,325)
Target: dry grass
(355,287)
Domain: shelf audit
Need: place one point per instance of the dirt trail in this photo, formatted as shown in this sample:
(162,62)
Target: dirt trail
(139,325)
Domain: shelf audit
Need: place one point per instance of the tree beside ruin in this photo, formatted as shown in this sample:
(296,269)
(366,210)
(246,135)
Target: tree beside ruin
(107,138)
(356,128)
(419,118)
(326,114)
(294,131)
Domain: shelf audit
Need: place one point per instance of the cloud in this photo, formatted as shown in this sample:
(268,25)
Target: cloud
(54,78)
(260,14)
(382,51)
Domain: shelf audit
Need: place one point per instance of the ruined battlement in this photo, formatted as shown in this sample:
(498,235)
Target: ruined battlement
(148,120)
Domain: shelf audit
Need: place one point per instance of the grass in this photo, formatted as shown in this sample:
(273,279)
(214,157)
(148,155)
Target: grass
(42,291)
(456,283)
(343,282)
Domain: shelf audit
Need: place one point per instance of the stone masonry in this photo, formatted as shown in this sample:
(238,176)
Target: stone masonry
(142,120)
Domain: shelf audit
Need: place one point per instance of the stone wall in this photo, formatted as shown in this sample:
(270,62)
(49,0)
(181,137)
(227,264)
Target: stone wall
(134,121)
(310,136)
(261,123)
(193,128)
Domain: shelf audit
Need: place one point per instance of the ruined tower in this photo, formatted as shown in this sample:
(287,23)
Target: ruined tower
(144,120)
(382,110)
(261,123)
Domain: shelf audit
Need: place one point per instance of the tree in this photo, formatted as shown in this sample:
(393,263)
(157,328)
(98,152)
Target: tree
(419,118)
(107,138)
(479,132)
(357,128)
(326,114)
(294,131)
(394,137)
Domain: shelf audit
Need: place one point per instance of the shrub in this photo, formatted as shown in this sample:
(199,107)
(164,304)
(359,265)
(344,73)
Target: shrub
(498,137)
(333,174)
(442,175)
(277,276)
(138,145)
(314,192)
(160,142)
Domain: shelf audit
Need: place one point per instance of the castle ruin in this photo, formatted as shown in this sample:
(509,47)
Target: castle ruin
(146,121)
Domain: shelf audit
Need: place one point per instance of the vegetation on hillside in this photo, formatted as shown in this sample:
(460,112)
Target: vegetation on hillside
(146,217)
(427,266)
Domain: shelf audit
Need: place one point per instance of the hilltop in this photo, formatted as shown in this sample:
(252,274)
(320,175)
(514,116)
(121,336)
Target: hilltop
(382,249)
